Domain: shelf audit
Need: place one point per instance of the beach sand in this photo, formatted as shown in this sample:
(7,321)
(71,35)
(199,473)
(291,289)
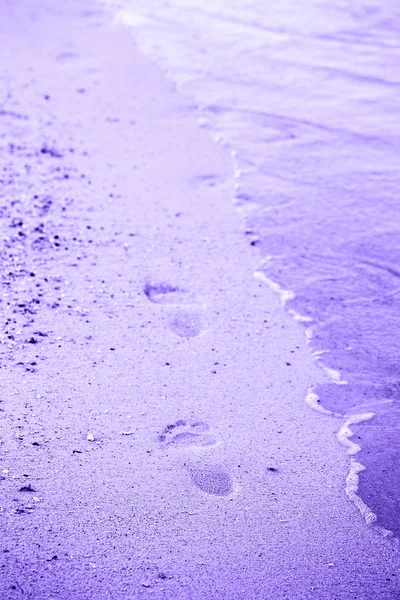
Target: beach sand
(155,436)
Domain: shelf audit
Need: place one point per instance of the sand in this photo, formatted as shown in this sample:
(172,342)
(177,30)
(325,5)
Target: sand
(155,436)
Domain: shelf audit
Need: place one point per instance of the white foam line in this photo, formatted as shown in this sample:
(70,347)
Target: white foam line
(309,334)
(298,317)
(285,295)
(345,433)
(317,353)
(312,399)
(351,489)
(352,480)
(334,375)
(344,436)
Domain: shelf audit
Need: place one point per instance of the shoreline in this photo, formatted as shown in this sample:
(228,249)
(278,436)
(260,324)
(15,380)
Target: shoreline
(121,16)
(231,506)
(325,226)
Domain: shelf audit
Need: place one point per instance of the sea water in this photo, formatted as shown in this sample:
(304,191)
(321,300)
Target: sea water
(305,95)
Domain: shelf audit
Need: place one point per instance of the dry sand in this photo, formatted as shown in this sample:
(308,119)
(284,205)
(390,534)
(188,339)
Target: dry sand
(155,438)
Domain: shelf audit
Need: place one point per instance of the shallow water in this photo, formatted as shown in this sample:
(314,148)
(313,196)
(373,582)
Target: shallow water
(305,95)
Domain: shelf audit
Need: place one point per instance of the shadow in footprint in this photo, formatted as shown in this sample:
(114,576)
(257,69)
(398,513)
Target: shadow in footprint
(164,293)
(182,435)
(212,479)
(206,179)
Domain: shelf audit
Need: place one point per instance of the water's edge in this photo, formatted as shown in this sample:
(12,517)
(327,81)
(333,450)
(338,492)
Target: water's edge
(253,215)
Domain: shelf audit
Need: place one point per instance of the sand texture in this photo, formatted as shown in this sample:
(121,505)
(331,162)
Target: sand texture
(155,438)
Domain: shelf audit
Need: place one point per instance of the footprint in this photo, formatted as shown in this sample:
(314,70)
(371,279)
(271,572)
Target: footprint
(183,322)
(209,478)
(212,479)
(206,179)
(182,435)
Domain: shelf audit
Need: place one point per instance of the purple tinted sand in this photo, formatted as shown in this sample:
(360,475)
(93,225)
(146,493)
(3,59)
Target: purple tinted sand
(155,442)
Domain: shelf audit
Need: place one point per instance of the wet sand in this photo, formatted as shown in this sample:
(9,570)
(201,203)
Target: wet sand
(155,438)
